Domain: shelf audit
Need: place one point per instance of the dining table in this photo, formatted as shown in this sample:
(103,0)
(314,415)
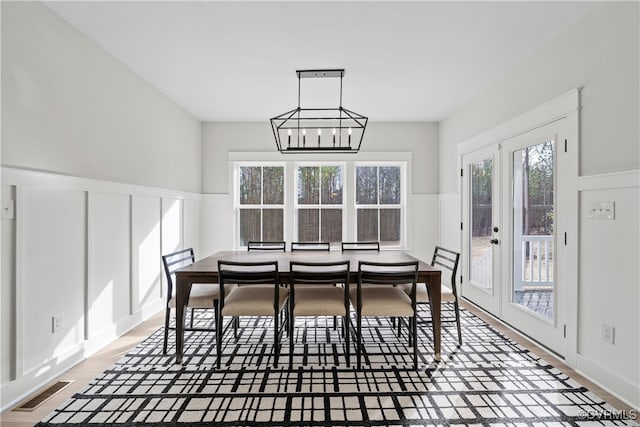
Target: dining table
(205,271)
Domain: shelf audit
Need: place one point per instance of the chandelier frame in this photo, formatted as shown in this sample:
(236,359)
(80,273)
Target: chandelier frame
(346,126)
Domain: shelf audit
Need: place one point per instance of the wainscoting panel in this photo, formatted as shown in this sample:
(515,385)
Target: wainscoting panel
(53,271)
(109,260)
(608,284)
(423,224)
(87,252)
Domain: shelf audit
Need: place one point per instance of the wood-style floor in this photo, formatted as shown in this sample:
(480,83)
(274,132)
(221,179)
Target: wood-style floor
(84,372)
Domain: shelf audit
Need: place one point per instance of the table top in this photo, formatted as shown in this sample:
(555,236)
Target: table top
(209,265)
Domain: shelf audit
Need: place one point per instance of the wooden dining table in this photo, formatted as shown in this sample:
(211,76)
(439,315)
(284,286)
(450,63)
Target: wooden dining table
(206,271)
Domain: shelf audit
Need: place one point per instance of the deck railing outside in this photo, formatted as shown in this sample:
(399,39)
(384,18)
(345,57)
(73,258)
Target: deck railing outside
(535,266)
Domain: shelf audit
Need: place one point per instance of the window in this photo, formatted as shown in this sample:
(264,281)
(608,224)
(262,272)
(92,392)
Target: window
(261,203)
(379,204)
(319,203)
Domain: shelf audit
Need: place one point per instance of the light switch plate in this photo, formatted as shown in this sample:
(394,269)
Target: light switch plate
(8,209)
(601,210)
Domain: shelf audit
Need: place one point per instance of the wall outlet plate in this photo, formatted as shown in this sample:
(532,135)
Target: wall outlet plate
(8,209)
(608,333)
(602,210)
(57,321)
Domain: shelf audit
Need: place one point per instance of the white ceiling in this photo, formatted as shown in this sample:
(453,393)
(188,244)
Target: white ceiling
(404,61)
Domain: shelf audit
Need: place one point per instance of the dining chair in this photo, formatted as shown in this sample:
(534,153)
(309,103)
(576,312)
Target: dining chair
(319,289)
(447,260)
(200,296)
(310,246)
(360,246)
(258,294)
(379,293)
(266,246)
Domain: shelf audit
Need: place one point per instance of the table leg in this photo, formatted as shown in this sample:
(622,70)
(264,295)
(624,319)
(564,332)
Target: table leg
(181,299)
(436,299)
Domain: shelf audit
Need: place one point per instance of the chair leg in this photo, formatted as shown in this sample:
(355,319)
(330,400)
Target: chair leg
(345,331)
(457,309)
(191,323)
(166,329)
(359,338)
(290,328)
(276,340)
(414,335)
(236,323)
(219,340)
(215,315)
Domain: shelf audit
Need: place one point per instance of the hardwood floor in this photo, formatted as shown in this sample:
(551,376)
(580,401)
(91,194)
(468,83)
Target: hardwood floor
(84,372)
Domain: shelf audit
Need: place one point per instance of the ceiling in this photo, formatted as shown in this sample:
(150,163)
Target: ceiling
(404,61)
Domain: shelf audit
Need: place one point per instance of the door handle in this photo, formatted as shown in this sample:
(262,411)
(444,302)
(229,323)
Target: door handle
(494,241)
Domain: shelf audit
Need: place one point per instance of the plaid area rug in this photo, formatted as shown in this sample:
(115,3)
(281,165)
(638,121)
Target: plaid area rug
(488,380)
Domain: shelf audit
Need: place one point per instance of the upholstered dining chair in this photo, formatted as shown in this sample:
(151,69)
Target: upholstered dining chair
(319,289)
(379,293)
(266,246)
(258,293)
(201,296)
(447,260)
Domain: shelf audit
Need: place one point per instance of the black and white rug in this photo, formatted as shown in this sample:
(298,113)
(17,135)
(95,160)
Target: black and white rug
(488,381)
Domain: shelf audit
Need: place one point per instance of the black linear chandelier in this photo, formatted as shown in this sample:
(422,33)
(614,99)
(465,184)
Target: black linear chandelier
(307,130)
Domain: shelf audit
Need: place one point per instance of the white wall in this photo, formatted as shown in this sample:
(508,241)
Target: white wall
(601,55)
(105,174)
(69,107)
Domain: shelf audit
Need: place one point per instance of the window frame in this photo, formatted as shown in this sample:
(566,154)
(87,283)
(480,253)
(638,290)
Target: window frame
(261,206)
(402,205)
(343,206)
(349,221)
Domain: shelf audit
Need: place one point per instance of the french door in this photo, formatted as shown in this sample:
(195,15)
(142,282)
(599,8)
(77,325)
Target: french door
(481,228)
(511,217)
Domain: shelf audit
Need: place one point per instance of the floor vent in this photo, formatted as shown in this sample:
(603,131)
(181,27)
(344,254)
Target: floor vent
(42,397)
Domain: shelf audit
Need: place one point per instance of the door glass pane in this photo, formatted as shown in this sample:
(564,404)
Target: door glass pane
(308,225)
(533,231)
(367,225)
(481,263)
(331,230)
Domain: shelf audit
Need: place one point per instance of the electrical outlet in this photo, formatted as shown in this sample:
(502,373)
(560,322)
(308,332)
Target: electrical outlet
(57,321)
(608,333)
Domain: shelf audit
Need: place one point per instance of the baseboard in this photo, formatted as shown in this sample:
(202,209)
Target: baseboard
(610,381)
(14,392)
